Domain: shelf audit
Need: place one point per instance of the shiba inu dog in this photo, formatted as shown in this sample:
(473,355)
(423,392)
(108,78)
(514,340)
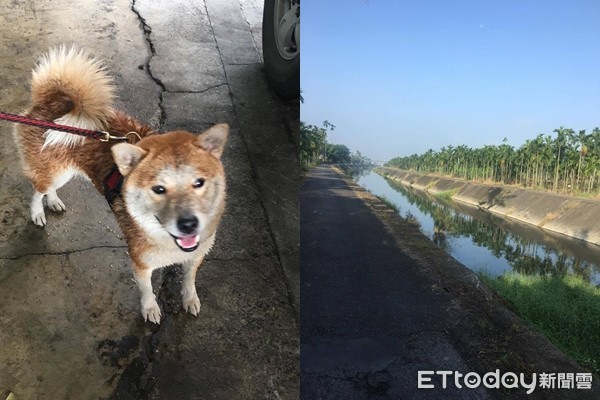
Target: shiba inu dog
(167,191)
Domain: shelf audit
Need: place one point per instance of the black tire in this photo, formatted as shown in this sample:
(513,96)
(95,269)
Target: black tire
(283,74)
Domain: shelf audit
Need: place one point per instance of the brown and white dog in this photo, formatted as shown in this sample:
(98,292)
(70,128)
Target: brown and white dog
(172,194)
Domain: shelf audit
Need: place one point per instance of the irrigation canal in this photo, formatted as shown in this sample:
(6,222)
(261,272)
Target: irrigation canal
(483,241)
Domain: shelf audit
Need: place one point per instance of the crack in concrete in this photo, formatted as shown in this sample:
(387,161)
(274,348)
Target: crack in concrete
(198,91)
(217,259)
(212,33)
(61,253)
(206,259)
(147,32)
(251,33)
(234,64)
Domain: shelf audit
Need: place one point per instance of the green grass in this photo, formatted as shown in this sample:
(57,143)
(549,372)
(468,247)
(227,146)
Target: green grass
(446,194)
(411,219)
(388,203)
(564,309)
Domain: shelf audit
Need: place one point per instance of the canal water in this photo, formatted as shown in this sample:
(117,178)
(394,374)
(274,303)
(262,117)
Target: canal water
(482,241)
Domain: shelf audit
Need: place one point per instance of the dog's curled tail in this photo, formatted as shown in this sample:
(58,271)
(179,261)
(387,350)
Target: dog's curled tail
(71,88)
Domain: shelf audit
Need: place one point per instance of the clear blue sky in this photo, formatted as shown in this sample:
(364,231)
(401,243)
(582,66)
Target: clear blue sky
(400,77)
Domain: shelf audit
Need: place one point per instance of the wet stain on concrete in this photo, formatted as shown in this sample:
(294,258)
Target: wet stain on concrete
(117,353)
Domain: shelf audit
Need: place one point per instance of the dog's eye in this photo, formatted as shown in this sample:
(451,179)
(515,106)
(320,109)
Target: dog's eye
(159,189)
(199,183)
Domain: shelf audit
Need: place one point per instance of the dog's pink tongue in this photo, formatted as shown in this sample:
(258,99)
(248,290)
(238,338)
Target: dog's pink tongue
(187,241)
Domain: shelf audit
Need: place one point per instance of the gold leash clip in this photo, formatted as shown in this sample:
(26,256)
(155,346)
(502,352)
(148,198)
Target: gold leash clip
(108,137)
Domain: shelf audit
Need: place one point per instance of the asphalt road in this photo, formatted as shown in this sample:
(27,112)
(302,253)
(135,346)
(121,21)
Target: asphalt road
(368,320)
(380,302)
(70,324)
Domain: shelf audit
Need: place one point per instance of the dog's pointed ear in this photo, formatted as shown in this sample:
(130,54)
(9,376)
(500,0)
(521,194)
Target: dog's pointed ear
(127,156)
(213,140)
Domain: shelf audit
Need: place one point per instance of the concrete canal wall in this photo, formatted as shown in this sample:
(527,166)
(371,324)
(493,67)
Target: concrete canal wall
(571,216)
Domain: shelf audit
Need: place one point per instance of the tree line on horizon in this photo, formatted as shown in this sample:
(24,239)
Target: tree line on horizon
(567,162)
(315,149)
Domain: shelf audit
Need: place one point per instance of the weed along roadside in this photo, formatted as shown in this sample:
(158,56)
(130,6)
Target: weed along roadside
(556,294)
(566,310)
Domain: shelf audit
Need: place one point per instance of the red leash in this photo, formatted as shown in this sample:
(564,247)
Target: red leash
(98,135)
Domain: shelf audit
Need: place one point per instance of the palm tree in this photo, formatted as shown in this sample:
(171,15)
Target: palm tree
(569,162)
(583,149)
(561,140)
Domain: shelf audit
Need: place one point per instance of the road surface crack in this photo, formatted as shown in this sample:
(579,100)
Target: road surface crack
(254,41)
(61,253)
(198,91)
(147,34)
(254,63)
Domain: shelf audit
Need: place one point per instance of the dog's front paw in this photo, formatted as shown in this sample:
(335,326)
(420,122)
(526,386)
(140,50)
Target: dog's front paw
(192,305)
(151,312)
(55,204)
(38,218)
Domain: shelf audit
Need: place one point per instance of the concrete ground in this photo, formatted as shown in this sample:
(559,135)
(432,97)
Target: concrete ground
(70,323)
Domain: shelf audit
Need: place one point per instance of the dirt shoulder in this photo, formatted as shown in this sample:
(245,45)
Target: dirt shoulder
(489,335)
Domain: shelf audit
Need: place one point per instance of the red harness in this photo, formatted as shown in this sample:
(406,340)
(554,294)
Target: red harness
(113,183)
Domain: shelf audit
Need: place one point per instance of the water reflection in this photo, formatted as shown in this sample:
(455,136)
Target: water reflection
(356,171)
(481,240)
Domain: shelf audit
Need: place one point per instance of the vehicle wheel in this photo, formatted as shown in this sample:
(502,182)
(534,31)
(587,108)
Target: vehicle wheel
(281,46)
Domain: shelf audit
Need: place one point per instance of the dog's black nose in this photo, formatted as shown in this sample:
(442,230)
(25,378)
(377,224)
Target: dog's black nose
(187,224)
